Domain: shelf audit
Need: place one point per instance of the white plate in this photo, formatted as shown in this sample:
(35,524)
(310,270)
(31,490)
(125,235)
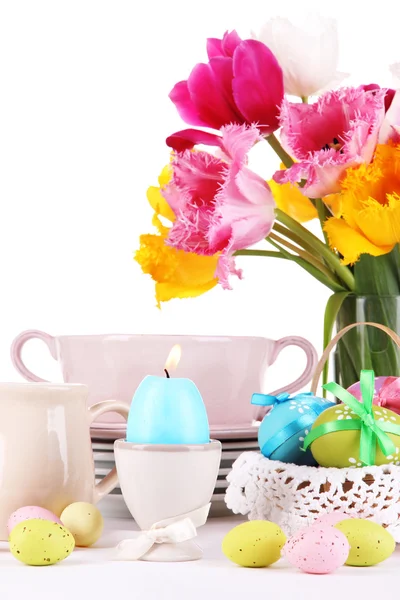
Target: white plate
(231,445)
(245,431)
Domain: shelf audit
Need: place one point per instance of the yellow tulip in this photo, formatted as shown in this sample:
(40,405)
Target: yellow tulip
(367,211)
(291,201)
(177,274)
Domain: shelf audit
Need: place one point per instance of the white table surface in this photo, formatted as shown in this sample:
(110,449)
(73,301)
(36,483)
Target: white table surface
(88,574)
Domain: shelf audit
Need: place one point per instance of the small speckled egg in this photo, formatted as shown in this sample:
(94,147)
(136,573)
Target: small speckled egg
(317,549)
(370,543)
(331,518)
(30,512)
(254,544)
(84,521)
(342,448)
(40,543)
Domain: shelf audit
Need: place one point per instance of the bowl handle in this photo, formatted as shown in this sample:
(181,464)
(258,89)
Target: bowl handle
(16,351)
(305,377)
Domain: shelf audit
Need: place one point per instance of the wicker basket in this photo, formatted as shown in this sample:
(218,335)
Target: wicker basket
(294,496)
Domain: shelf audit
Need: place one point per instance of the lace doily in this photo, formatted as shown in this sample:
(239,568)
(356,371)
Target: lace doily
(293,496)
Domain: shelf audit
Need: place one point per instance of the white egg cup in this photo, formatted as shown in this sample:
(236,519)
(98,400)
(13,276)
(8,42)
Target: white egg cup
(160,482)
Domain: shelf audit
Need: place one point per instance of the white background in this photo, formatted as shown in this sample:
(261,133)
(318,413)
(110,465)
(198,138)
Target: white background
(84,112)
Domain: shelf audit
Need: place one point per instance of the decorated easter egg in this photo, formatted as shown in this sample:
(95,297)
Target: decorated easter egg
(331,518)
(30,512)
(84,521)
(318,549)
(342,448)
(283,429)
(40,543)
(386,392)
(370,543)
(254,544)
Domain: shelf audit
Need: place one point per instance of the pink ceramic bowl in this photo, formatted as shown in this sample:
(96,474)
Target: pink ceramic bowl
(227,370)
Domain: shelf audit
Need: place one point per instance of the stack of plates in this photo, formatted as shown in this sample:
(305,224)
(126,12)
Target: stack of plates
(234,442)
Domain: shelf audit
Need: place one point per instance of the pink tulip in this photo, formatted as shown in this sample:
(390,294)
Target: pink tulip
(338,131)
(242,83)
(188,138)
(389,93)
(220,205)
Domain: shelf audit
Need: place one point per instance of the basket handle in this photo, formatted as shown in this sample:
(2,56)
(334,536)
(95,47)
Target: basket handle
(320,366)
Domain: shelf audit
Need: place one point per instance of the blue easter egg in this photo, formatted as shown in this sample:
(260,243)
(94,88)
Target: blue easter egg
(284,427)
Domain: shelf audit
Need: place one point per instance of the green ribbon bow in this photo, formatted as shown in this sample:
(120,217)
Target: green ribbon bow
(371,431)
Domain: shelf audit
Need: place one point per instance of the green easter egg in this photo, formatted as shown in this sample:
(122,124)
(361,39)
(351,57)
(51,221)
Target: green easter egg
(254,544)
(370,543)
(342,448)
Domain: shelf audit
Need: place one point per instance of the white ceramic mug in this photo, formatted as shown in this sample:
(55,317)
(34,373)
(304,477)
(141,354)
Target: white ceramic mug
(227,370)
(45,447)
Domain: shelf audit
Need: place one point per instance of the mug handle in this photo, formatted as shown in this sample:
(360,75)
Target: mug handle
(16,350)
(305,377)
(110,481)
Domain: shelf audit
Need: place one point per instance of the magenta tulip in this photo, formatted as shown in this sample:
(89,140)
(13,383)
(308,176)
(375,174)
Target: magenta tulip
(242,83)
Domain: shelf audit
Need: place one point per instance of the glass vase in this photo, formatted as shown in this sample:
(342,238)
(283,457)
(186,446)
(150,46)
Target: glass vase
(365,347)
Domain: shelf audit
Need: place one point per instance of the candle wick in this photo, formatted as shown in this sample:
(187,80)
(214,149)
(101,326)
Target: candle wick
(166,373)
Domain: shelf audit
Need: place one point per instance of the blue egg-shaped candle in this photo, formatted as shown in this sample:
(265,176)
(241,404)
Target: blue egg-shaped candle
(167,411)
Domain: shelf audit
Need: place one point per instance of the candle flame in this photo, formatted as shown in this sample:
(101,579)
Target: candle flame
(173,358)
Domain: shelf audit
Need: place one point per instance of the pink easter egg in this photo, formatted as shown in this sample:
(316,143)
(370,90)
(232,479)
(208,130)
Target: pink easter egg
(379,383)
(318,550)
(30,512)
(332,518)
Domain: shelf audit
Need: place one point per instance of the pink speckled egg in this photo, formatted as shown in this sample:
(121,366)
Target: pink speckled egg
(30,512)
(317,550)
(332,518)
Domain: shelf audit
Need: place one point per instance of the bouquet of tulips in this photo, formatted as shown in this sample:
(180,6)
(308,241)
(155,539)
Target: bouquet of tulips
(338,160)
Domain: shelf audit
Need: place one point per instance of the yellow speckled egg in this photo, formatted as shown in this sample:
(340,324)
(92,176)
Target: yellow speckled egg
(40,543)
(370,543)
(254,544)
(84,521)
(342,448)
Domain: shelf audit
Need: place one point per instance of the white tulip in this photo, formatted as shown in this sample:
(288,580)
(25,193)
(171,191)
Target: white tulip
(395,71)
(308,55)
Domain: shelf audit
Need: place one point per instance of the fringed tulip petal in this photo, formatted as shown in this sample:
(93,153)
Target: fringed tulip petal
(219,204)
(390,129)
(291,201)
(369,206)
(388,217)
(159,204)
(349,242)
(339,131)
(257,85)
(177,274)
